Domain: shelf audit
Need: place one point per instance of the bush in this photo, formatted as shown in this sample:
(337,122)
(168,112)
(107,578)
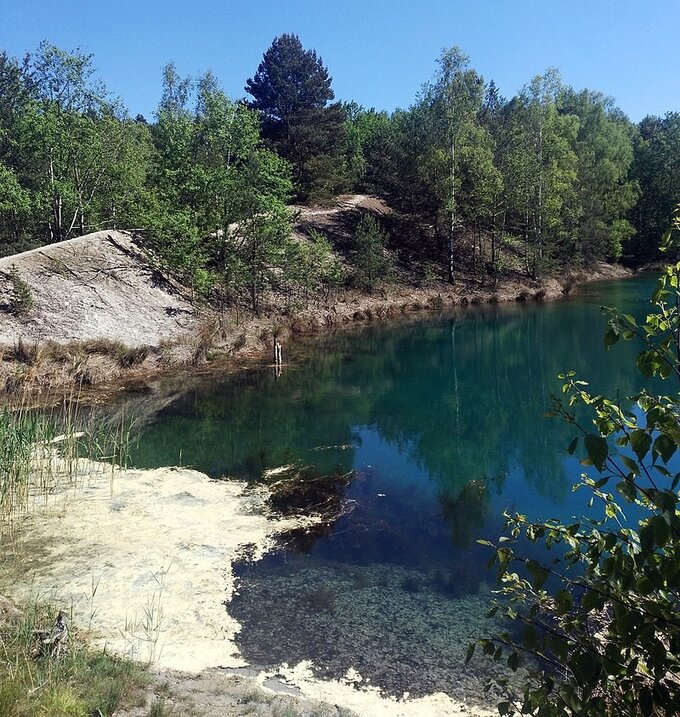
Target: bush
(601,619)
(22,299)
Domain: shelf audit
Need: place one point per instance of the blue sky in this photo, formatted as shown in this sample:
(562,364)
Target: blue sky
(379,52)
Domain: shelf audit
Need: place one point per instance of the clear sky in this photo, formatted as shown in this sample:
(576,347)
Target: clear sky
(379,52)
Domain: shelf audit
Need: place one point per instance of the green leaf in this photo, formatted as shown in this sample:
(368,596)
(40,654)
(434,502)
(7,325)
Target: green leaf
(564,601)
(538,573)
(662,531)
(597,449)
(611,337)
(530,637)
(572,446)
(632,466)
(647,538)
(513,661)
(640,442)
(586,666)
(665,447)
(627,489)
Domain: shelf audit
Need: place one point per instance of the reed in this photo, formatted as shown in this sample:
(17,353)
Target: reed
(46,450)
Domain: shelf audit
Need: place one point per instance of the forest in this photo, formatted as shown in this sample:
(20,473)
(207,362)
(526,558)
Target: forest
(554,177)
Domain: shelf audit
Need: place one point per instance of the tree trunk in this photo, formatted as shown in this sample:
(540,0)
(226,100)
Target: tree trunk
(56,227)
(452,226)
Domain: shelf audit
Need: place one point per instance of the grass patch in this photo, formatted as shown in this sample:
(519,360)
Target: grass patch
(81,683)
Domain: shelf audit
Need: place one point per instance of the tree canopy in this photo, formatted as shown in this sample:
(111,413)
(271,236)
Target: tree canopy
(541,183)
(291,90)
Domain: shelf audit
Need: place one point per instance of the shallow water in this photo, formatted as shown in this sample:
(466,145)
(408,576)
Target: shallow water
(441,422)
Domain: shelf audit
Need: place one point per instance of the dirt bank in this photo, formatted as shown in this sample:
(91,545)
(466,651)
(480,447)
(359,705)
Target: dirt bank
(99,286)
(103,317)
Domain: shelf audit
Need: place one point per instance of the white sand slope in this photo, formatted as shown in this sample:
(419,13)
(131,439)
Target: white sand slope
(96,286)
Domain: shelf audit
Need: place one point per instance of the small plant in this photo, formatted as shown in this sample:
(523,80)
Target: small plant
(599,616)
(239,342)
(568,283)
(147,629)
(78,682)
(22,300)
(157,709)
(25,352)
(436,302)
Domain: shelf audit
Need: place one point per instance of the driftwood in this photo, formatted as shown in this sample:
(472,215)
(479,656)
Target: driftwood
(52,643)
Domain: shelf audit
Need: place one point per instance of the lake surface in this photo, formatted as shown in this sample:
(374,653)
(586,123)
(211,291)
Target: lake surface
(438,426)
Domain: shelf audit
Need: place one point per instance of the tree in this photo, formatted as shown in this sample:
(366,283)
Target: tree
(602,616)
(15,92)
(15,204)
(369,148)
(540,169)
(604,190)
(291,90)
(220,211)
(656,168)
(455,98)
(370,259)
(75,146)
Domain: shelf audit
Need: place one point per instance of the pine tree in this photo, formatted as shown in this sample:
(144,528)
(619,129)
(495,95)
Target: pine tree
(291,90)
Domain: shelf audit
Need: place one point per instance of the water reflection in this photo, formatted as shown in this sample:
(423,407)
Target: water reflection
(440,422)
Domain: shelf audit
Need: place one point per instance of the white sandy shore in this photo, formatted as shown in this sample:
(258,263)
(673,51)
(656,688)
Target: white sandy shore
(144,561)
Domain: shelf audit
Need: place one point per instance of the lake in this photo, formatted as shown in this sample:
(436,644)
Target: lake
(429,429)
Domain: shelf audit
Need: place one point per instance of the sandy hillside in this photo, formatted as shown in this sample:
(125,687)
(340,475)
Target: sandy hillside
(97,286)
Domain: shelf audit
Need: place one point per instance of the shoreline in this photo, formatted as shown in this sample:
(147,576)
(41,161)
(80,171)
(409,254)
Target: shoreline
(99,369)
(159,594)
(113,498)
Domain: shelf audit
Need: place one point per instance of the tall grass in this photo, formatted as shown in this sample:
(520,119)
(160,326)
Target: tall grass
(43,451)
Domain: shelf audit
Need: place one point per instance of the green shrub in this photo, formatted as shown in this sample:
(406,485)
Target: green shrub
(371,261)
(22,296)
(600,614)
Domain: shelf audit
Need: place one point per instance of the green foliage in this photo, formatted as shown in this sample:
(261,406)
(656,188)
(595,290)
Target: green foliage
(370,258)
(80,683)
(218,214)
(312,268)
(551,178)
(22,297)
(601,618)
(290,90)
(656,168)
(605,192)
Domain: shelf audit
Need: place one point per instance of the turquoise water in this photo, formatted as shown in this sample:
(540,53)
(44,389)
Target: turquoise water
(440,423)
